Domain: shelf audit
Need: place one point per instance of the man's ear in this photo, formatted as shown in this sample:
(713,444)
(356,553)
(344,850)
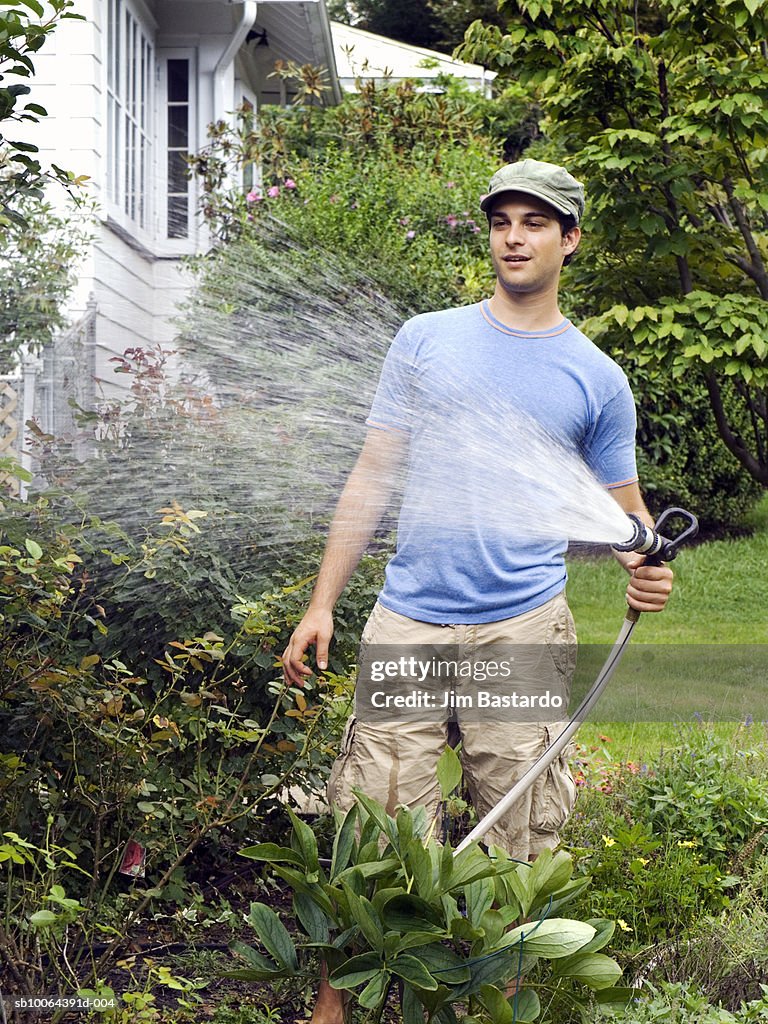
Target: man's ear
(571,240)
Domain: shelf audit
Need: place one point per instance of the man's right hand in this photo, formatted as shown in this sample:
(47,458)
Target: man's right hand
(315,629)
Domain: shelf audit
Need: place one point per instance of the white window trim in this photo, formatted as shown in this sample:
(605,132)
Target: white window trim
(116,101)
(163,245)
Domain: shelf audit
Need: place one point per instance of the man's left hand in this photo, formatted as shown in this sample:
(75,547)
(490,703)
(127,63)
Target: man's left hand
(649,586)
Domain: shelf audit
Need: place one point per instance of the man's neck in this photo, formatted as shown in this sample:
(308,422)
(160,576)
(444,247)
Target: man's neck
(526,312)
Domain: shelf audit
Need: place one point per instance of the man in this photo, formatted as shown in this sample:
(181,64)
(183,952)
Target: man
(471,584)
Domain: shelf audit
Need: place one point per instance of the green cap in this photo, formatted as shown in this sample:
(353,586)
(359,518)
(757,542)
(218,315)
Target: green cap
(549,182)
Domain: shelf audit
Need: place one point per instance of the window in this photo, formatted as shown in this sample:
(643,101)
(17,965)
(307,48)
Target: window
(178,121)
(130,105)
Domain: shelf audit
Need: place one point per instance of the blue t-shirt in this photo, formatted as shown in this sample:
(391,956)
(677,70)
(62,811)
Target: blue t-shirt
(479,401)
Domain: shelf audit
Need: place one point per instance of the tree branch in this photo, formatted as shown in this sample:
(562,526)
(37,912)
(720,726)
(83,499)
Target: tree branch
(749,240)
(733,441)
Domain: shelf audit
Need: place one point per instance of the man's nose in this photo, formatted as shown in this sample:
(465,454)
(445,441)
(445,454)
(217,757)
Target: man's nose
(514,234)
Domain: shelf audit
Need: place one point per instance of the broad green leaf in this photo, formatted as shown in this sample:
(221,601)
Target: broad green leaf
(593,969)
(365,917)
(443,964)
(494,1001)
(550,873)
(479,898)
(33,548)
(526,1006)
(412,970)
(448,772)
(310,916)
(298,883)
(419,863)
(344,841)
(552,938)
(273,933)
(616,998)
(604,930)
(355,971)
(304,842)
(43,918)
(267,968)
(407,913)
(272,854)
(375,991)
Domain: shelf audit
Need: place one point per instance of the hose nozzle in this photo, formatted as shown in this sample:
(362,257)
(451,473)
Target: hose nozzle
(647,540)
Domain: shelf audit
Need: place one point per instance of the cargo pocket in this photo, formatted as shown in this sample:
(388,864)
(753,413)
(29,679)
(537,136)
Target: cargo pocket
(561,639)
(341,780)
(554,794)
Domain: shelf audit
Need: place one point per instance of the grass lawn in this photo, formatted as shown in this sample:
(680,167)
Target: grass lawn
(714,664)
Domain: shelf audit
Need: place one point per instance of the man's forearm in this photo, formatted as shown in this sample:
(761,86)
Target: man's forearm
(358,513)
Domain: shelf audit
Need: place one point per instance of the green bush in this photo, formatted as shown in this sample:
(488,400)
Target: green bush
(397,909)
(681,1003)
(681,459)
(670,841)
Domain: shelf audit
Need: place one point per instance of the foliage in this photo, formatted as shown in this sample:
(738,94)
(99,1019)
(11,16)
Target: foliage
(705,793)
(669,840)
(36,275)
(389,912)
(24,28)
(389,180)
(726,954)
(681,461)
(661,108)
(681,1003)
(98,754)
(410,21)
(140,697)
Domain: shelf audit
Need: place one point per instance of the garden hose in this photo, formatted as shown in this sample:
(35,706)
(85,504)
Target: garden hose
(657,549)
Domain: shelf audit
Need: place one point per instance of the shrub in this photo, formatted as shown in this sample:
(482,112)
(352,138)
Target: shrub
(681,459)
(396,908)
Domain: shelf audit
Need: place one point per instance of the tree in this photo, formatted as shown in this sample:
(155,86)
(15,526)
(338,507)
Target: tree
(453,17)
(661,106)
(36,276)
(22,176)
(409,21)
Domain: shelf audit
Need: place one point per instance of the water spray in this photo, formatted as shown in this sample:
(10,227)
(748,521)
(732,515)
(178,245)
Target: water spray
(657,548)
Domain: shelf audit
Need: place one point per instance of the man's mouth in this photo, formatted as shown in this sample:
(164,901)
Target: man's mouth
(516,259)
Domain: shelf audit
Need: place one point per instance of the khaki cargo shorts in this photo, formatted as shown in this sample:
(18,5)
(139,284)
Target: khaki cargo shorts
(395,761)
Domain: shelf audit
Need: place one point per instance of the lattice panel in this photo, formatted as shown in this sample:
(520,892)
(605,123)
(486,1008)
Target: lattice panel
(9,430)
(9,425)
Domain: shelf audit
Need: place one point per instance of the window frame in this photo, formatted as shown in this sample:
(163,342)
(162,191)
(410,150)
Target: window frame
(130,117)
(164,244)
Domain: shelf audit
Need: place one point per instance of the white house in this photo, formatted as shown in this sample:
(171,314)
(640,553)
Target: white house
(129,92)
(368,56)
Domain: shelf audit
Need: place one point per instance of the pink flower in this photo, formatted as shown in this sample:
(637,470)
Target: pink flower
(289,183)
(410,234)
(333,199)
(273,192)
(254,196)
(450,184)
(404,221)
(451,221)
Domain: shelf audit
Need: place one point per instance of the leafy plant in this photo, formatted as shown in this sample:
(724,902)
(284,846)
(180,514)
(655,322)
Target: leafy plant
(661,108)
(395,910)
(24,28)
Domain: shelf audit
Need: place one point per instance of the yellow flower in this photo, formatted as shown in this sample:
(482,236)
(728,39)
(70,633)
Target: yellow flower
(623,925)
(609,840)
(641,860)
(687,842)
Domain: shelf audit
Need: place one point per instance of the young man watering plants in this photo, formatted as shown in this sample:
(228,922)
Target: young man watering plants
(478,585)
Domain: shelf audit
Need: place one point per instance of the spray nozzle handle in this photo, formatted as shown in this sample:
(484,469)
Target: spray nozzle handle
(649,541)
